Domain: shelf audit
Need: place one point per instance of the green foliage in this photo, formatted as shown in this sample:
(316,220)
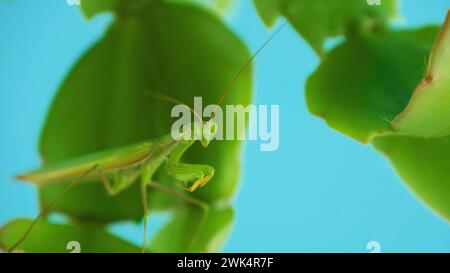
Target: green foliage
(90,8)
(209,231)
(363,84)
(182,50)
(376,76)
(424,165)
(218,6)
(269,10)
(321,19)
(428,113)
(51,238)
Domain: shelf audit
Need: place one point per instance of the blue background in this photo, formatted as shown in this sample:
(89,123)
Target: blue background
(320,192)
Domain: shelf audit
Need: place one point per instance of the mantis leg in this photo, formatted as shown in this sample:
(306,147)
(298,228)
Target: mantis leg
(193,176)
(148,169)
(47,207)
(146,214)
(122,179)
(191,200)
(106,185)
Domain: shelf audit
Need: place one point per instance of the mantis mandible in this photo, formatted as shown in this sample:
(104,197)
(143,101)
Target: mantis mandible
(119,168)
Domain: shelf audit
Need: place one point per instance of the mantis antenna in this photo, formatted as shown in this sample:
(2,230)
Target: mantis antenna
(175,101)
(232,82)
(249,61)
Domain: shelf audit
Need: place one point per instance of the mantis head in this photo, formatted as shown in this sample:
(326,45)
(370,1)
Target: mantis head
(206,132)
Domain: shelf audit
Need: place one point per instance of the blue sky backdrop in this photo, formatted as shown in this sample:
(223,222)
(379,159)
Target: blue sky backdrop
(320,192)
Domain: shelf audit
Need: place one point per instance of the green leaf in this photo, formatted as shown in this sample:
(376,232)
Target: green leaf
(218,6)
(192,231)
(90,8)
(424,165)
(428,112)
(365,82)
(52,238)
(268,10)
(222,5)
(179,50)
(321,19)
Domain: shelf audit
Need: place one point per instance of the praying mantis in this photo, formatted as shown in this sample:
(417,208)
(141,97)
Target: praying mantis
(119,168)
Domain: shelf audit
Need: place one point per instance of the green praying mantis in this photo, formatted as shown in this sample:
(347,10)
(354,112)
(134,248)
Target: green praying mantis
(119,168)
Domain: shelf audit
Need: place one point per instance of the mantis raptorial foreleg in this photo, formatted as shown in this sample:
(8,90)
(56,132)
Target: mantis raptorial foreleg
(193,201)
(187,173)
(192,175)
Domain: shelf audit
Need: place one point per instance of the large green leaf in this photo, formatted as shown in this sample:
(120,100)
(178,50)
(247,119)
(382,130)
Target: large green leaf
(191,230)
(365,82)
(321,19)
(219,6)
(179,50)
(46,237)
(269,10)
(428,113)
(424,165)
(91,8)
